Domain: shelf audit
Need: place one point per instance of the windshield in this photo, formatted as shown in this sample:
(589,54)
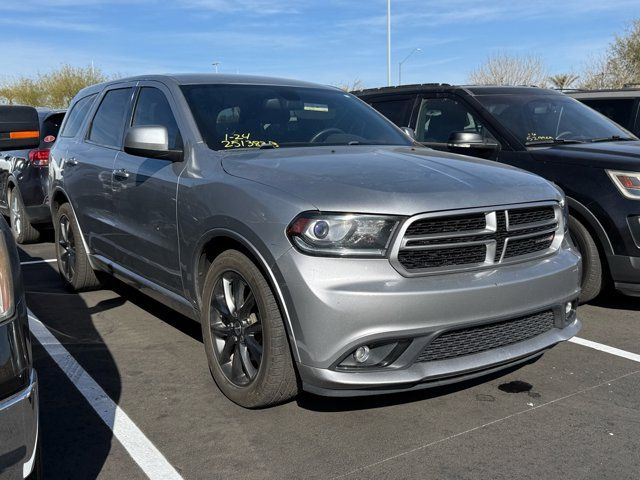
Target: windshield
(266,116)
(549,119)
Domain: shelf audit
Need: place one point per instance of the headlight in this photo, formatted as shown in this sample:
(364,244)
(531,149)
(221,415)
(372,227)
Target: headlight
(627,182)
(342,234)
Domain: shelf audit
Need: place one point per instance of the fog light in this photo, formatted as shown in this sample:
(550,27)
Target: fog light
(361,354)
(567,308)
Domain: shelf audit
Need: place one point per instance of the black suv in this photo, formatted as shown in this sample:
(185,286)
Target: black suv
(592,159)
(621,106)
(24,175)
(20,455)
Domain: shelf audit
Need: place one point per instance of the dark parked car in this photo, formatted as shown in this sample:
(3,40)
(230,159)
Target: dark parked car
(621,106)
(592,159)
(19,446)
(24,175)
(310,236)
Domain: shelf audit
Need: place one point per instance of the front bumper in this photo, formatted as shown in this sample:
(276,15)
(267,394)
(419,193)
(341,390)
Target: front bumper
(340,304)
(39,214)
(19,431)
(626,273)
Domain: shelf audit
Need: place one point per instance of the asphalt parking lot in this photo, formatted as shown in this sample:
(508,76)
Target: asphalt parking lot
(573,414)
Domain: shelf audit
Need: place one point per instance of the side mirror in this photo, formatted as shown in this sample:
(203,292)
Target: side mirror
(469,140)
(409,132)
(19,127)
(150,141)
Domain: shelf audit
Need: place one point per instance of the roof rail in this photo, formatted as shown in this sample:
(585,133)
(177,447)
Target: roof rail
(403,87)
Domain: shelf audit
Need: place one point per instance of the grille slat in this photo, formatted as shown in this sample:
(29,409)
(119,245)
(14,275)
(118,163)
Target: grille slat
(428,244)
(472,340)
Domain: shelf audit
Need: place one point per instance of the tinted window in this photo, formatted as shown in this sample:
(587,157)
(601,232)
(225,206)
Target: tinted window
(619,110)
(108,123)
(545,119)
(440,117)
(153,109)
(250,116)
(396,110)
(49,128)
(76,116)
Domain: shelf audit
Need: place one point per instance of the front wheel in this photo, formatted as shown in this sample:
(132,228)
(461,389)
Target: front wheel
(591,263)
(73,261)
(244,336)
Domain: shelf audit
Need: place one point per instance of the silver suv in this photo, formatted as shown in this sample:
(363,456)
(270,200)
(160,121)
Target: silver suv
(319,247)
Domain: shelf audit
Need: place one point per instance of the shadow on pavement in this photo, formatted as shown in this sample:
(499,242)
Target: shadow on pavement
(75,441)
(617,301)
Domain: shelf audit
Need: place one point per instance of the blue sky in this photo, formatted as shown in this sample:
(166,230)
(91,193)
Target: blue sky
(328,41)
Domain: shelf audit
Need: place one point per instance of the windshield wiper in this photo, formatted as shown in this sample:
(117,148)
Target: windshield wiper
(553,141)
(612,138)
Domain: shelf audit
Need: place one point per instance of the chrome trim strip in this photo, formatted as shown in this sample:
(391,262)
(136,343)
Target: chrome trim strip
(22,395)
(491,222)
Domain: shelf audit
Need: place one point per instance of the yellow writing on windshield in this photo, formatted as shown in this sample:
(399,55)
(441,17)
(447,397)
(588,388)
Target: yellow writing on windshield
(243,140)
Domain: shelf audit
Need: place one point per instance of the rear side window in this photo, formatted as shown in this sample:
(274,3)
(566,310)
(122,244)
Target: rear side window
(76,116)
(396,110)
(49,129)
(108,123)
(620,110)
(153,109)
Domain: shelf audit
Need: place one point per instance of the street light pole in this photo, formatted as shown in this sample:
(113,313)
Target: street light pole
(405,59)
(215,65)
(389,43)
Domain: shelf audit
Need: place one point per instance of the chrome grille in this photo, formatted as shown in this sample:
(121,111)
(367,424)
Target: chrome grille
(462,240)
(468,341)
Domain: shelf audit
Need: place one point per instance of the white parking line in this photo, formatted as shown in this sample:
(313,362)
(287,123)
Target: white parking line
(143,452)
(34,262)
(606,348)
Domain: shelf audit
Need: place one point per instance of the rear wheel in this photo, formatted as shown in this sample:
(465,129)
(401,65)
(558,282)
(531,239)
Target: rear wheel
(591,263)
(244,335)
(73,261)
(22,230)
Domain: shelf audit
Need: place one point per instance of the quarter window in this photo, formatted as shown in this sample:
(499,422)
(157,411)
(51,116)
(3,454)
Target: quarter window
(76,116)
(619,110)
(108,123)
(154,109)
(440,117)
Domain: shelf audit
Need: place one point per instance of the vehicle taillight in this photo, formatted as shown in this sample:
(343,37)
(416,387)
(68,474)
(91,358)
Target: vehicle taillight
(39,158)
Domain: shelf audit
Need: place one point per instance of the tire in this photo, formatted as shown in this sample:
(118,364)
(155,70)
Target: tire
(22,230)
(73,261)
(246,378)
(591,263)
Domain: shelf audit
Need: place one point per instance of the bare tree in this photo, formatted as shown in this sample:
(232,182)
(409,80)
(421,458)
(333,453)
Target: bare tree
(506,69)
(54,89)
(563,81)
(356,84)
(619,66)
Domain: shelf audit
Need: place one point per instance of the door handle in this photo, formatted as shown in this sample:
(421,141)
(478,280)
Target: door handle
(71,162)
(120,174)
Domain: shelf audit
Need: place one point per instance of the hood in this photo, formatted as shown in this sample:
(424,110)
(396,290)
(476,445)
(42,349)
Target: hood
(623,155)
(387,180)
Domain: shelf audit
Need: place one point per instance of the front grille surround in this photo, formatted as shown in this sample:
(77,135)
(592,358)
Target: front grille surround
(537,231)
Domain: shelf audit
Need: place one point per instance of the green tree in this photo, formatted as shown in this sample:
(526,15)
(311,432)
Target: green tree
(620,65)
(54,89)
(562,81)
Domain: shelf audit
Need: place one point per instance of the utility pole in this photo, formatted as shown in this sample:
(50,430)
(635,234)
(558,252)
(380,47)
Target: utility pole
(389,43)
